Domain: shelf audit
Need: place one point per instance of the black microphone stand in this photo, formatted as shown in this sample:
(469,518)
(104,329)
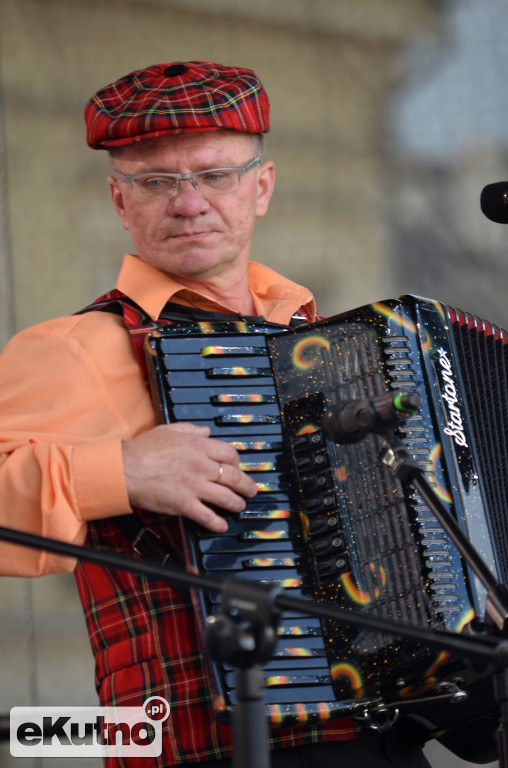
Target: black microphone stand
(244,635)
(245,631)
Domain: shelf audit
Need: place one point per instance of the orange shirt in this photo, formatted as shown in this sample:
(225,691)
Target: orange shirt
(71,392)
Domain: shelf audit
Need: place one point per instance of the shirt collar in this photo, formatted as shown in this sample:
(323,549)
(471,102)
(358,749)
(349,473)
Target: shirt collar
(275,297)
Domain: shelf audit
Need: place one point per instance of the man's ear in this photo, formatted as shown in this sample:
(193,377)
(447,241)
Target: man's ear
(117,197)
(266,183)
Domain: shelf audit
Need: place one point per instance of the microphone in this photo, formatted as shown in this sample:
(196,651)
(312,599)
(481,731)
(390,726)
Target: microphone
(352,420)
(494,202)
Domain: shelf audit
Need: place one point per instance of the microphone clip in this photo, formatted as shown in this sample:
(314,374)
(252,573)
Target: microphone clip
(353,420)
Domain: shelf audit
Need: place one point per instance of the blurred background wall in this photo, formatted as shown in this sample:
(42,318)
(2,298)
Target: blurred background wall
(388,118)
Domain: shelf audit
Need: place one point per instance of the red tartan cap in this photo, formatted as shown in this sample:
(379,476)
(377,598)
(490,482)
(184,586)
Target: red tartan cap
(183,97)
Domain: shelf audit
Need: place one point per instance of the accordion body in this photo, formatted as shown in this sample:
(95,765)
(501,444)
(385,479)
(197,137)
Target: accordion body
(330,522)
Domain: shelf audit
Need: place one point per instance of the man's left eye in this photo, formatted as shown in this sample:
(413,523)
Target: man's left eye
(214,177)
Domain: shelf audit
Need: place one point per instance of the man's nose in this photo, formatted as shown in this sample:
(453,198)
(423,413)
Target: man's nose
(188,199)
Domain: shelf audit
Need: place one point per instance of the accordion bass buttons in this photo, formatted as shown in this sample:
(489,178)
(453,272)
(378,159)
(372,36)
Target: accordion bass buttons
(319,525)
(325,545)
(311,461)
(317,486)
(331,566)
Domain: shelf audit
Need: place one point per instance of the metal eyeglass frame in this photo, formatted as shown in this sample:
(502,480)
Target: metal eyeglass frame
(192,177)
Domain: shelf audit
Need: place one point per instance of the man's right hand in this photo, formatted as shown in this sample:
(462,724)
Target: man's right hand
(178,469)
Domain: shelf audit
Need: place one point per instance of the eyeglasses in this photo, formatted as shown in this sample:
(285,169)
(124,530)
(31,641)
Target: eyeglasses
(213,181)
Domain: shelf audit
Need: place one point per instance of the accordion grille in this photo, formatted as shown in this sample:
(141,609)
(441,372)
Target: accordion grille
(482,352)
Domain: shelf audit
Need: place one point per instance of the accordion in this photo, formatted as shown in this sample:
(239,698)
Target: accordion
(330,521)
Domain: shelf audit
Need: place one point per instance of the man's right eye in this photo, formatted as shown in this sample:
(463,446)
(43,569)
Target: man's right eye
(155,183)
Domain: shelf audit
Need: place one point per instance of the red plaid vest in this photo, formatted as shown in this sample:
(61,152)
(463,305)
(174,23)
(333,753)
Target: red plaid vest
(144,636)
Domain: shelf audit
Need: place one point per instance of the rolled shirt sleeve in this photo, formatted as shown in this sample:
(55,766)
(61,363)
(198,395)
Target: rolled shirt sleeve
(70,393)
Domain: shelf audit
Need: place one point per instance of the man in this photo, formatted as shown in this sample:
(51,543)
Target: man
(81,448)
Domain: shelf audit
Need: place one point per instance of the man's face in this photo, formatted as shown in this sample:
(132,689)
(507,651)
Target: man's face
(190,236)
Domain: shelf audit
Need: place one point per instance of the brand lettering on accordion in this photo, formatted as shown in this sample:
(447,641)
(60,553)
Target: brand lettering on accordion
(88,731)
(455,426)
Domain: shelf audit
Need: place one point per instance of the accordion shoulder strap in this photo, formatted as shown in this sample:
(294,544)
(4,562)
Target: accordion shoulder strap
(139,323)
(145,541)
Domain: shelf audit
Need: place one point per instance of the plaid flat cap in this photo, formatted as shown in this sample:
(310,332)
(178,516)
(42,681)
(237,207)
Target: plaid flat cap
(183,97)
